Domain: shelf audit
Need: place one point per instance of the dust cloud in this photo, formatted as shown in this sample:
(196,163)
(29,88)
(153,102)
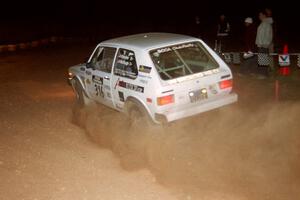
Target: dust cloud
(231,153)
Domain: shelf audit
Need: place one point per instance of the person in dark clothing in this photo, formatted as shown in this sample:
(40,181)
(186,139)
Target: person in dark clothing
(222,34)
(250,35)
(269,15)
(198,27)
(249,59)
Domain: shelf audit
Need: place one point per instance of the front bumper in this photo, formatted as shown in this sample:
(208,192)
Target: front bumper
(193,109)
(69,80)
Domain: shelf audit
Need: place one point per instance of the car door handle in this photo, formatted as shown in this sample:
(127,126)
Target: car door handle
(106,77)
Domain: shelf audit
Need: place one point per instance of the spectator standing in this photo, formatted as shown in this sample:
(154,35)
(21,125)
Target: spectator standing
(250,35)
(270,19)
(198,31)
(264,38)
(249,59)
(222,34)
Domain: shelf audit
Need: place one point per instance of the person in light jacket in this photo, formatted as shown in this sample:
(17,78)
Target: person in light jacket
(264,38)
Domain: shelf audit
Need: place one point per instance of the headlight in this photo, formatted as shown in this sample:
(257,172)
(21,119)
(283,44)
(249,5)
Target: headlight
(70,75)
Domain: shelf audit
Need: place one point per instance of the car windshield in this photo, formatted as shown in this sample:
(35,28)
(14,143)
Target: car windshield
(182,59)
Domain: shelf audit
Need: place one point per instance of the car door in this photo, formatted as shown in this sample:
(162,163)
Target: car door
(124,81)
(98,75)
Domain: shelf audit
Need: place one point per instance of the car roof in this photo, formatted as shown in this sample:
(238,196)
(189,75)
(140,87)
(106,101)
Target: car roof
(148,41)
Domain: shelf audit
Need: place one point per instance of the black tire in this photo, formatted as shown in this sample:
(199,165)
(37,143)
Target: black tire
(81,99)
(137,114)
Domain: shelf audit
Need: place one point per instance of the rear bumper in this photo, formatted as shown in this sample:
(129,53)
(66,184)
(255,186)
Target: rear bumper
(193,109)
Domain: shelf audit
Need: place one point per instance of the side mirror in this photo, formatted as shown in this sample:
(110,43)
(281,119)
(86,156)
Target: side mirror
(89,65)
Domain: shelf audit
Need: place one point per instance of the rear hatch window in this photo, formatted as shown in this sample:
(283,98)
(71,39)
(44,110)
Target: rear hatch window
(182,60)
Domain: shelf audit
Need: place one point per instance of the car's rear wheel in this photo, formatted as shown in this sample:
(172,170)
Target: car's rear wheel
(137,114)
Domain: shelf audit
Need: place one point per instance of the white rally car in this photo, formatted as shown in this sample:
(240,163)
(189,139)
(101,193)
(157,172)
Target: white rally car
(159,75)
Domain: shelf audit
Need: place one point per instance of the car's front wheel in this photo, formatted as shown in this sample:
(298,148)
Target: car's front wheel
(81,99)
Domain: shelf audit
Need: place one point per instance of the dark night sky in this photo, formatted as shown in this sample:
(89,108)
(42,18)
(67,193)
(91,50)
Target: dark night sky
(87,9)
(146,13)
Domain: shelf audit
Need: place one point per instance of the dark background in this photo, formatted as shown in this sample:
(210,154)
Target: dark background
(29,20)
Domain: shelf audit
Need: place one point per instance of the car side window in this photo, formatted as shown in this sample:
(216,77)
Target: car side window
(125,64)
(103,59)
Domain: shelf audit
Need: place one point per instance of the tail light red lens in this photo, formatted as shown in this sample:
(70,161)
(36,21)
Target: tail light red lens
(226,84)
(165,100)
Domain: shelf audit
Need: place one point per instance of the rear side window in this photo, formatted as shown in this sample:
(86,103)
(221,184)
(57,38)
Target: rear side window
(125,64)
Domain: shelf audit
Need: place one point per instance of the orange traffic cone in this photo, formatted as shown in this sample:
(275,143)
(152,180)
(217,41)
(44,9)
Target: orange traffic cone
(284,62)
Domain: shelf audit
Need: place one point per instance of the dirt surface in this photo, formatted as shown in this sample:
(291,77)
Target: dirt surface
(50,149)
(43,155)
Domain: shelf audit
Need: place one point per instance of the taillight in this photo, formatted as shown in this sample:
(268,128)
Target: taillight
(165,100)
(226,84)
